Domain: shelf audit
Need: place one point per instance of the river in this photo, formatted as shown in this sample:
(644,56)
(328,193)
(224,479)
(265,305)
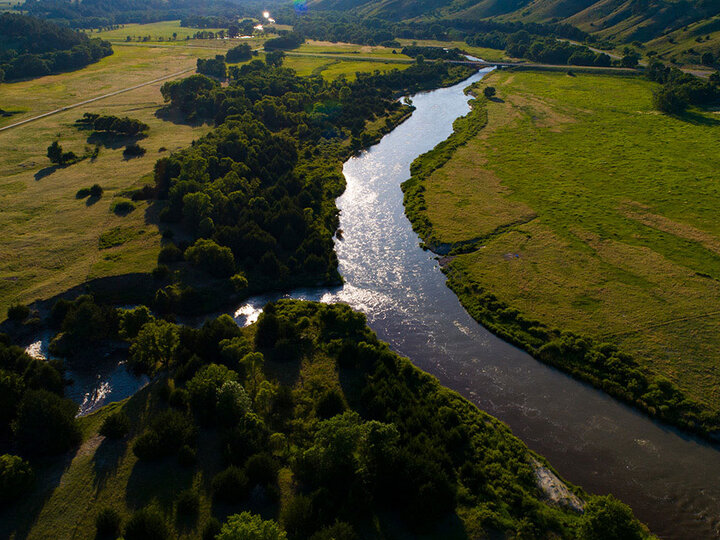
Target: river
(672,481)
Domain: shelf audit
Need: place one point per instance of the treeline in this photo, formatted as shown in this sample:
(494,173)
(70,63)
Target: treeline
(239,54)
(548,50)
(112,124)
(256,196)
(213,67)
(285,41)
(334,26)
(30,47)
(433,53)
(680,90)
(378,446)
(103,13)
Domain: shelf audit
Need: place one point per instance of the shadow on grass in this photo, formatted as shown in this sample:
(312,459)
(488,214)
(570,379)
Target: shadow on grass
(47,171)
(106,460)
(176,117)
(112,141)
(17,519)
(697,119)
(92,200)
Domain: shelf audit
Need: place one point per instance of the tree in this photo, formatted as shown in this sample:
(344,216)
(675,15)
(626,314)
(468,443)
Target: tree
(205,386)
(115,426)
(669,100)
(489,91)
(55,152)
(274,58)
(18,312)
(154,347)
(147,524)
(606,518)
(212,258)
(46,423)
(16,478)
(630,60)
(247,526)
(708,59)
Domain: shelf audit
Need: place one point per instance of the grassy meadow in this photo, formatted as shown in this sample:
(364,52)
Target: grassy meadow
(53,241)
(589,211)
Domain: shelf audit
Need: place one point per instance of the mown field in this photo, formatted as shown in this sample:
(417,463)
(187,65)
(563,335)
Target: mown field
(589,211)
(156,31)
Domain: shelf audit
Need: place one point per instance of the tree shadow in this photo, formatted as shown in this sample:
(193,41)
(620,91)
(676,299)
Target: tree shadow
(697,119)
(159,480)
(112,141)
(18,518)
(92,199)
(497,100)
(106,460)
(168,114)
(47,171)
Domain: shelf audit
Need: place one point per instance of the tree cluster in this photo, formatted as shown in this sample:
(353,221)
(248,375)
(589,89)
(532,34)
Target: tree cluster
(680,90)
(552,51)
(112,124)
(31,47)
(285,41)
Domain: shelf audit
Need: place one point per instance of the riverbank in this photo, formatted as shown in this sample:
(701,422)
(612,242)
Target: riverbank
(526,211)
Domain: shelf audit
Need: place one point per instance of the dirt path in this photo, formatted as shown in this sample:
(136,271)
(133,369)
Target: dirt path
(98,98)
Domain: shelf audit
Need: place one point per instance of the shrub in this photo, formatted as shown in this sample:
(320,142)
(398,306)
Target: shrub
(134,150)
(169,254)
(18,312)
(46,423)
(122,206)
(212,258)
(669,101)
(16,477)
(115,426)
(170,431)
(230,485)
(147,524)
(247,526)
(147,446)
(489,91)
(107,523)
(96,191)
(188,503)
(606,518)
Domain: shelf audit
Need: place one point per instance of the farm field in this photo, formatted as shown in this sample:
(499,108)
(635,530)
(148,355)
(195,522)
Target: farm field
(593,215)
(158,30)
(491,55)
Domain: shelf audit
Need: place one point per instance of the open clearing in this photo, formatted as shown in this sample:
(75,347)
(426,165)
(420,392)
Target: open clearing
(598,216)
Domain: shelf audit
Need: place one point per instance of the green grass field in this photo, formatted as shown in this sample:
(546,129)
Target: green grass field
(157,30)
(492,55)
(594,214)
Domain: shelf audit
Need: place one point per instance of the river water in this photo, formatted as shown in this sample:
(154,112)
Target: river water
(672,481)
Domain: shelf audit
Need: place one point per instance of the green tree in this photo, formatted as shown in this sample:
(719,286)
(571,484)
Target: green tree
(489,91)
(154,347)
(247,526)
(55,152)
(46,423)
(16,477)
(606,518)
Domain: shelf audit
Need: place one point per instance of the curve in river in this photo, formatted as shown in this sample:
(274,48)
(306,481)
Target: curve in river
(672,481)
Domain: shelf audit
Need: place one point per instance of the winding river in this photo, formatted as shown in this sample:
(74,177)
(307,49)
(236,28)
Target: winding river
(672,481)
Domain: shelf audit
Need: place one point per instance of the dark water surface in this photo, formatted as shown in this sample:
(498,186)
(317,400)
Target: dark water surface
(671,481)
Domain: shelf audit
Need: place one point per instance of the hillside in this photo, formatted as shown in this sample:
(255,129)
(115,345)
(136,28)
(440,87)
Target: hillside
(622,20)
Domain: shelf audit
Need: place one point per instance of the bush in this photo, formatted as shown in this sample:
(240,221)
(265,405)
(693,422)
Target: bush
(133,150)
(188,503)
(147,524)
(115,426)
(18,312)
(170,253)
(606,518)
(46,423)
(669,101)
(170,431)
(107,523)
(96,191)
(147,447)
(16,478)
(489,91)
(247,526)
(230,485)
(122,206)
(212,258)
(205,386)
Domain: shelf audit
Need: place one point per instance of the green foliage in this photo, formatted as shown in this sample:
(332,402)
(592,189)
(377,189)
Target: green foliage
(247,526)
(122,206)
(18,312)
(212,258)
(46,424)
(16,478)
(213,67)
(133,150)
(606,518)
(147,524)
(169,431)
(230,485)
(113,124)
(154,347)
(205,389)
(115,425)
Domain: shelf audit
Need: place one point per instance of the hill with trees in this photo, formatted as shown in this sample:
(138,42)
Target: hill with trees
(30,47)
